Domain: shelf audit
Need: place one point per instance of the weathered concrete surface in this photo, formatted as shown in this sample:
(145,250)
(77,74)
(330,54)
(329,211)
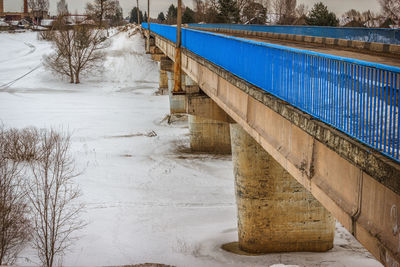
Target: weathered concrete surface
(176,101)
(163,83)
(275,212)
(156,53)
(201,105)
(209,136)
(338,170)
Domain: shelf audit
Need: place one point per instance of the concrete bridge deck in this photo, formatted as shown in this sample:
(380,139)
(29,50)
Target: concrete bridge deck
(357,184)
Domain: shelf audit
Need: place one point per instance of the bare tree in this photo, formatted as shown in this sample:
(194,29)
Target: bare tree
(39,5)
(99,10)
(301,10)
(391,8)
(39,9)
(285,10)
(62,8)
(88,50)
(254,13)
(53,198)
(199,10)
(77,50)
(14,221)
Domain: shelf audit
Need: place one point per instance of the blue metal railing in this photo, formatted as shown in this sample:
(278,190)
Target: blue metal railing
(387,36)
(356,97)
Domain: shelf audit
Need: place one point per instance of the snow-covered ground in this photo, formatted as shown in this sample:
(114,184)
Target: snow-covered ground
(148,199)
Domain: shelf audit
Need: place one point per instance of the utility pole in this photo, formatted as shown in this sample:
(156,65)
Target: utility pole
(178,55)
(138,17)
(148,27)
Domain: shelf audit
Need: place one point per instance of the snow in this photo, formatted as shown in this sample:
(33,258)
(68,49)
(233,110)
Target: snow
(47,22)
(148,199)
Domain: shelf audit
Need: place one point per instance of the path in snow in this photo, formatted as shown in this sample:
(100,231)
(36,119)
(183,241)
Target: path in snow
(148,200)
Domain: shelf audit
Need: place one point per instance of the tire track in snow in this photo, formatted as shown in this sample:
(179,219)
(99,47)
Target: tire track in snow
(31,51)
(28,44)
(7,85)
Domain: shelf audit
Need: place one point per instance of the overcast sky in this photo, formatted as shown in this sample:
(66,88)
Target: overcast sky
(156,6)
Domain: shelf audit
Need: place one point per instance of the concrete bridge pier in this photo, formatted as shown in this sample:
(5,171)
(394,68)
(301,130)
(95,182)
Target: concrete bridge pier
(176,101)
(163,83)
(165,66)
(208,124)
(167,83)
(152,42)
(275,212)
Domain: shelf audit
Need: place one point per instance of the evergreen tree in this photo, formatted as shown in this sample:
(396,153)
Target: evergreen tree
(228,11)
(188,16)
(161,17)
(320,16)
(172,14)
(145,17)
(133,18)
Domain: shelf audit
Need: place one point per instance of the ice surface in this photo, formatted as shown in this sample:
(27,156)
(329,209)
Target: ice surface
(148,199)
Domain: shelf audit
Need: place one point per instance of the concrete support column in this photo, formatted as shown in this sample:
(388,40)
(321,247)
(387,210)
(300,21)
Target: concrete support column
(275,212)
(163,84)
(208,123)
(210,136)
(176,101)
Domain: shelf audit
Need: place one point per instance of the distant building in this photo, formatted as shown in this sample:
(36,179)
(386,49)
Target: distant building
(14,15)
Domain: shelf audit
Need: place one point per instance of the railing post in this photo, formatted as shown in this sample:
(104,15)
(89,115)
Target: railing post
(178,56)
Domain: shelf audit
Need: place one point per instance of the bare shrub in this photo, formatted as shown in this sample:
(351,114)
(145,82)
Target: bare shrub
(78,50)
(14,222)
(45,35)
(53,198)
(391,8)
(38,197)
(19,145)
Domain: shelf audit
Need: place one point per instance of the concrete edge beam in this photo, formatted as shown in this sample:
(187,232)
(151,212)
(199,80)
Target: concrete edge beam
(202,105)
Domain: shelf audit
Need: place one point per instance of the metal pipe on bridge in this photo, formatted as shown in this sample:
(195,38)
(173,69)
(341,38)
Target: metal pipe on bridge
(138,13)
(148,27)
(178,57)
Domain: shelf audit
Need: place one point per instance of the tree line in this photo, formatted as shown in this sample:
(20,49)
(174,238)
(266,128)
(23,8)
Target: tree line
(280,12)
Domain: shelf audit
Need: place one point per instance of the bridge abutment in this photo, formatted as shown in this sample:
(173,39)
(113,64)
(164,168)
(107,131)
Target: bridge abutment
(275,212)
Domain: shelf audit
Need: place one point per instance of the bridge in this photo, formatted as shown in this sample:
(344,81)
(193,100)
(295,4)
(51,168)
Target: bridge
(313,135)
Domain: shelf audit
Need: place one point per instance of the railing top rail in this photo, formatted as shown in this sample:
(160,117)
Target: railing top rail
(293,26)
(295,50)
(379,35)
